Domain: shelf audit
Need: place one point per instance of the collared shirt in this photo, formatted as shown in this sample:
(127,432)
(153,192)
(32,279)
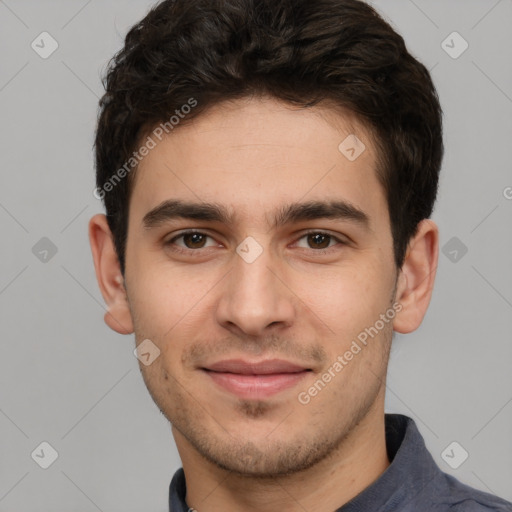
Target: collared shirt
(411,483)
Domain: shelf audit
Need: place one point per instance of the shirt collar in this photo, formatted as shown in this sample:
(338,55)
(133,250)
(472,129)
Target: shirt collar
(411,470)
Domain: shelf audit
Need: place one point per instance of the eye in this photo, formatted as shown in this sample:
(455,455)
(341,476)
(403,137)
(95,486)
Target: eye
(191,240)
(319,240)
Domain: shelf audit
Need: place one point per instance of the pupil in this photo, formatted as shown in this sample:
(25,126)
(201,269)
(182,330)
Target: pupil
(317,239)
(194,240)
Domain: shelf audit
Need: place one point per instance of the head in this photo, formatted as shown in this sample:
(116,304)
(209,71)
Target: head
(302,143)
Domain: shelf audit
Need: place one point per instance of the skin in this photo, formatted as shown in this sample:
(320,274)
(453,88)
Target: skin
(294,302)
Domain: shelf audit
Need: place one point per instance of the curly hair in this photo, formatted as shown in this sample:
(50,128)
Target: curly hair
(303,52)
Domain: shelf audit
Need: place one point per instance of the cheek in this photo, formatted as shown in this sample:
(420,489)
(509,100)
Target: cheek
(345,293)
(170,307)
(163,295)
(343,308)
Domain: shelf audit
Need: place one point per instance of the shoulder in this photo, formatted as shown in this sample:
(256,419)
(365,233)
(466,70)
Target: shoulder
(454,496)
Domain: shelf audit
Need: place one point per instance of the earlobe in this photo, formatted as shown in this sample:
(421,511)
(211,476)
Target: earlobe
(108,275)
(417,276)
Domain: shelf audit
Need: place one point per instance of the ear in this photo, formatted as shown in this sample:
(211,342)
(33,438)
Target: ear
(108,274)
(416,277)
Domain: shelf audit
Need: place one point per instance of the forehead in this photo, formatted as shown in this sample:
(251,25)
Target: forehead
(255,155)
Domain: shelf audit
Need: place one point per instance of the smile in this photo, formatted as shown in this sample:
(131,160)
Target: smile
(255,380)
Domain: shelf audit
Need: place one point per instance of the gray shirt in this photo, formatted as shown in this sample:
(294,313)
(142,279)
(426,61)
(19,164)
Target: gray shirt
(411,483)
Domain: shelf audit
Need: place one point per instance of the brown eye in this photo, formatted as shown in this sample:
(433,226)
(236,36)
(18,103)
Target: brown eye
(190,240)
(194,240)
(319,240)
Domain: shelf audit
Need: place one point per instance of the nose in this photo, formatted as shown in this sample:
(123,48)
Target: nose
(255,298)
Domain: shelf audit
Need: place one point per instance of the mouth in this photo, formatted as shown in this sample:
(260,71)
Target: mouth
(255,380)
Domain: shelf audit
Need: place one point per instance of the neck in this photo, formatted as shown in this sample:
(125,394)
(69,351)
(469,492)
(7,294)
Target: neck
(353,466)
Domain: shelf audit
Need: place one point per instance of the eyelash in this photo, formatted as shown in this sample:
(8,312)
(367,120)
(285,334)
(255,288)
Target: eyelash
(171,243)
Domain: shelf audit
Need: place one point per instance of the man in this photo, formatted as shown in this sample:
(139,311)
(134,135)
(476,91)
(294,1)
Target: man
(268,170)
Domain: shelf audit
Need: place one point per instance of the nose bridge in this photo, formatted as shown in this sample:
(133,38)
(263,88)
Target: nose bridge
(253,277)
(254,297)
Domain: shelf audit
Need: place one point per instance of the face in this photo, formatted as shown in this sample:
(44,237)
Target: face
(271,257)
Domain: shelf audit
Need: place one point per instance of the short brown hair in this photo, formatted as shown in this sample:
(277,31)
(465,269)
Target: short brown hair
(300,51)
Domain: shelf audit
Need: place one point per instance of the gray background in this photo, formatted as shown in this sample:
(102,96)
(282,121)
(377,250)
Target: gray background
(66,379)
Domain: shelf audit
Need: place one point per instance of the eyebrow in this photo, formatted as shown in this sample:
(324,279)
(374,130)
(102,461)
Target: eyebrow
(174,209)
(336,210)
(292,213)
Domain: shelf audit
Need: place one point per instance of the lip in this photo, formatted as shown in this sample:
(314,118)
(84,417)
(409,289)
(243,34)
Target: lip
(255,380)
(266,367)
